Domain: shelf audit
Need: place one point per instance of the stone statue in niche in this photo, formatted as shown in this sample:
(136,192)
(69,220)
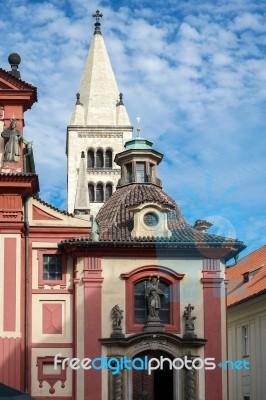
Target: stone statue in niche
(117,316)
(153,295)
(189,322)
(12,142)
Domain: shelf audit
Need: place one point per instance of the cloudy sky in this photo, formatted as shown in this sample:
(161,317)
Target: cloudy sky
(195,72)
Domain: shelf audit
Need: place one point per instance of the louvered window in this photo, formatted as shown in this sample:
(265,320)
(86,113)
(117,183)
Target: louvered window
(99,193)
(90,159)
(99,159)
(108,159)
(129,173)
(108,191)
(140,172)
(91,193)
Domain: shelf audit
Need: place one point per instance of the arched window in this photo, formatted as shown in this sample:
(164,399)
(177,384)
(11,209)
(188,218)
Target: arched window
(99,193)
(99,159)
(108,159)
(108,191)
(90,159)
(137,290)
(142,293)
(91,193)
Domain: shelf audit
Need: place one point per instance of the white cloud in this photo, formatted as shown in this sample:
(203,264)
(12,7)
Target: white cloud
(256,22)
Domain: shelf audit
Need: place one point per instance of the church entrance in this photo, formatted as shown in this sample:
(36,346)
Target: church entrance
(157,386)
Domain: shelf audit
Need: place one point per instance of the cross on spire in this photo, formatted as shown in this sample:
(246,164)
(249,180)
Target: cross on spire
(97,15)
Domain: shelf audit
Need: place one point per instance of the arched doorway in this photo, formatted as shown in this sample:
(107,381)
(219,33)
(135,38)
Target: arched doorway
(158,385)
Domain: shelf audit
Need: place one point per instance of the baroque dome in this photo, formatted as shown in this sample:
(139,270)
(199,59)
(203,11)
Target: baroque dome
(115,218)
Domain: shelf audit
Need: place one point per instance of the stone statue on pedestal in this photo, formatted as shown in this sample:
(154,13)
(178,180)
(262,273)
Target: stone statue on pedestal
(12,142)
(117,316)
(189,322)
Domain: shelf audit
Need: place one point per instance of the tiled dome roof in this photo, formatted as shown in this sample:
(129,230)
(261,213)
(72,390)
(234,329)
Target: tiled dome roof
(114,218)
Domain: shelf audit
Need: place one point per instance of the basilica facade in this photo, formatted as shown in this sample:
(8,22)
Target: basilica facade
(91,296)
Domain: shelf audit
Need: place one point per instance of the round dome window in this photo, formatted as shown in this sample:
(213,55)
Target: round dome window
(151,219)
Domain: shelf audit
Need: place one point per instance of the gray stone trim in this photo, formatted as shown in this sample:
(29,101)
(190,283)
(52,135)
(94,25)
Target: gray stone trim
(100,135)
(103,171)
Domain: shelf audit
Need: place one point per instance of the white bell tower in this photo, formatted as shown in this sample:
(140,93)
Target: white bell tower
(99,127)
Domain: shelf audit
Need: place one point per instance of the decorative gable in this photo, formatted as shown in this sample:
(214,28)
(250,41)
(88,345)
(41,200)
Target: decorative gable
(38,214)
(13,88)
(4,85)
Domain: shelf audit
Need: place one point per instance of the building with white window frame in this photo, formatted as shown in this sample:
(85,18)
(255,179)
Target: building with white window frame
(246,302)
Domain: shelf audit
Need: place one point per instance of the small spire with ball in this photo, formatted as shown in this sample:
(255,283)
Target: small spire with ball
(14,60)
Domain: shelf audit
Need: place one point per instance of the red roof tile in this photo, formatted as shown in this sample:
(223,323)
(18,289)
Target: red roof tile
(238,290)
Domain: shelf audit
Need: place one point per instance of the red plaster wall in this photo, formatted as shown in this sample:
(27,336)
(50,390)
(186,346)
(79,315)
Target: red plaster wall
(92,325)
(9,284)
(52,318)
(212,327)
(10,361)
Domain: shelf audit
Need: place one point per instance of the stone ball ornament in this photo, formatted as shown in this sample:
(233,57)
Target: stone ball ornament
(14,59)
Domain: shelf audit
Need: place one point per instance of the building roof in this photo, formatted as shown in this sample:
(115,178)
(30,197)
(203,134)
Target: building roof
(251,269)
(115,219)
(115,223)
(52,207)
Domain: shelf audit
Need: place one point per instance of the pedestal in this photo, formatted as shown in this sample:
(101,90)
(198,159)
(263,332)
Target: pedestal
(117,333)
(153,324)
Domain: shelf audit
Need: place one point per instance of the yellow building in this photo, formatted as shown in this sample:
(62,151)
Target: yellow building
(247,325)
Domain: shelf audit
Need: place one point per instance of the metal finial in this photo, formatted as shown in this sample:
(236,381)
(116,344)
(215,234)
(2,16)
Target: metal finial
(120,102)
(97,15)
(138,128)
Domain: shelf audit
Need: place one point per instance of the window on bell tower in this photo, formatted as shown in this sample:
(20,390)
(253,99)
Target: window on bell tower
(108,191)
(99,193)
(129,173)
(99,159)
(108,159)
(90,158)
(91,192)
(140,172)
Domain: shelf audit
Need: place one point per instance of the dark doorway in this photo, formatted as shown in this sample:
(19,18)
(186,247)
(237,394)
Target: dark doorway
(163,383)
(158,385)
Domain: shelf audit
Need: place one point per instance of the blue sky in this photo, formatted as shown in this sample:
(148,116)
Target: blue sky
(195,72)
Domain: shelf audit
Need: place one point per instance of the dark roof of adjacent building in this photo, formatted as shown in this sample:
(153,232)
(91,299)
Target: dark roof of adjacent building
(247,278)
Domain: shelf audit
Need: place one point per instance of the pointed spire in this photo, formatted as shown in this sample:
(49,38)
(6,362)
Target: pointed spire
(82,201)
(98,89)
(121,112)
(77,117)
